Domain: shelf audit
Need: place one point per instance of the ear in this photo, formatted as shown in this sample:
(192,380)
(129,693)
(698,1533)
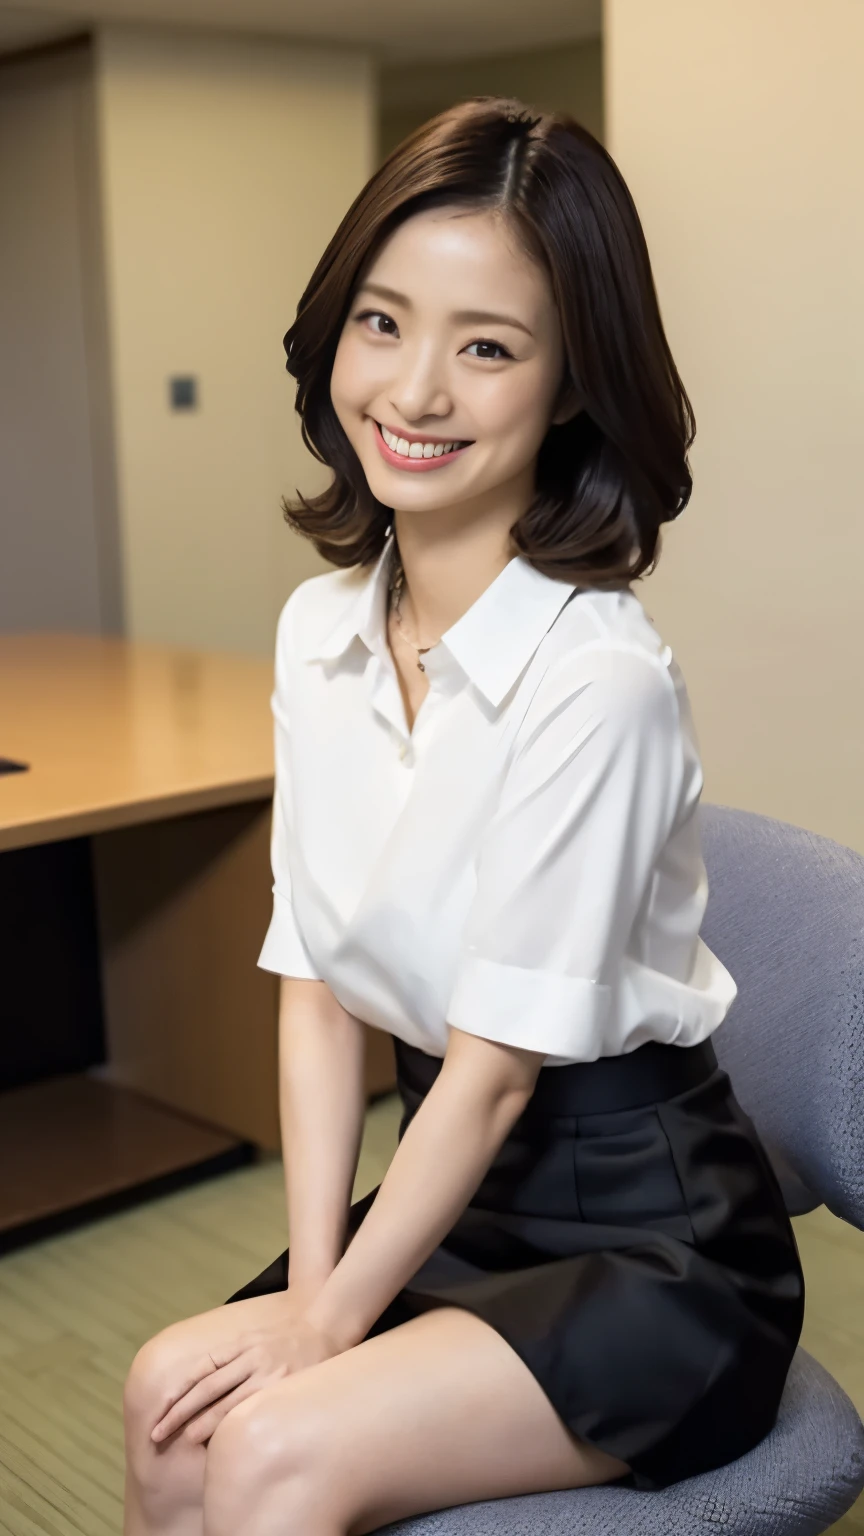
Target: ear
(568,404)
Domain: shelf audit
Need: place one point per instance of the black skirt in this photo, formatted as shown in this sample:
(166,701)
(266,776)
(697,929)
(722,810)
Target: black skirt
(630,1242)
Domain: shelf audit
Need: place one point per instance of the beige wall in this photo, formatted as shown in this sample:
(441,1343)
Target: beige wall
(739,128)
(564,79)
(226,165)
(59,566)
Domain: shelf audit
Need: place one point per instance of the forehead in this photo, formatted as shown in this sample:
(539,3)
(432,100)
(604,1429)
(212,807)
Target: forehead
(471,259)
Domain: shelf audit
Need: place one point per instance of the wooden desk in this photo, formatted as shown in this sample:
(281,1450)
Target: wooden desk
(163,759)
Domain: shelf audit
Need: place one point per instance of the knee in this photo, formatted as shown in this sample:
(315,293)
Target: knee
(148,1387)
(159,1472)
(270,1449)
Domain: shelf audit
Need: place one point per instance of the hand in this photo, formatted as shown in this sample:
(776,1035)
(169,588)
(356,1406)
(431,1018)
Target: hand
(258,1357)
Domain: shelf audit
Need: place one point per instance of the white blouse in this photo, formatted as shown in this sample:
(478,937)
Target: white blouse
(525,864)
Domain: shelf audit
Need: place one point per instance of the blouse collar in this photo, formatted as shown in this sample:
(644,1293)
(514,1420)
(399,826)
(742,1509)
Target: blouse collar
(492,642)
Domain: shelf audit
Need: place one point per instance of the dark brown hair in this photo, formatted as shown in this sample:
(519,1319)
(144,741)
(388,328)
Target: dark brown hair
(607,479)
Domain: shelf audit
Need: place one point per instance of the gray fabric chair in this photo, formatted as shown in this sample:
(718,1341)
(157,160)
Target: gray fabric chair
(786,915)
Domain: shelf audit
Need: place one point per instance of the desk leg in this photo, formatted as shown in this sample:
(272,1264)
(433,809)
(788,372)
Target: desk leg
(190,1020)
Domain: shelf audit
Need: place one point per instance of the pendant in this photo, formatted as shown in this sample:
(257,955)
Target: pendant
(421,666)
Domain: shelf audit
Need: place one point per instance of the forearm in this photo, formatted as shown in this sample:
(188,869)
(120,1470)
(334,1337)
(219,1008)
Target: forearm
(442,1158)
(322,1104)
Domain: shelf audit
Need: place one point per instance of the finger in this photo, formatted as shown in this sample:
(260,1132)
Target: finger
(214,1386)
(208,1422)
(196,1372)
(221,1379)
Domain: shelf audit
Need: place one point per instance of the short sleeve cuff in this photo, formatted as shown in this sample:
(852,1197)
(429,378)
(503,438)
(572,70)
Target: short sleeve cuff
(534,1010)
(284,950)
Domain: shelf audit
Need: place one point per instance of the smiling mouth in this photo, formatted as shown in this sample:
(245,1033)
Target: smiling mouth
(420,448)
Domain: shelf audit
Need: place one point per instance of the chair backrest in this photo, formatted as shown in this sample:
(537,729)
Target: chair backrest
(785,915)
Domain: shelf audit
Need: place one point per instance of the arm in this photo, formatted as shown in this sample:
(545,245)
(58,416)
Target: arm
(321,1045)
(479,1094)
(321,1105)
(481,1091)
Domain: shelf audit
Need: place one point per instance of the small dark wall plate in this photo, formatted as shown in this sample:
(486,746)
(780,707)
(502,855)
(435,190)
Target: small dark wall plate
(8,765)
(183,392)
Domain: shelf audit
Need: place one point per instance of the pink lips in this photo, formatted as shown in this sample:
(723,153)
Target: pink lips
(399,461)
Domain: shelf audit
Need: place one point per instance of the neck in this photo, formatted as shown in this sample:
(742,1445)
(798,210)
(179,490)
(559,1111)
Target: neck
(447,568)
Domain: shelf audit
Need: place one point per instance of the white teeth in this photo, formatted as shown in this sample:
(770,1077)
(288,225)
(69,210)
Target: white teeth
(408,450)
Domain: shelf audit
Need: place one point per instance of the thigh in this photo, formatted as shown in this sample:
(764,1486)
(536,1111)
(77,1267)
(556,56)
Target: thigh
(435,1412)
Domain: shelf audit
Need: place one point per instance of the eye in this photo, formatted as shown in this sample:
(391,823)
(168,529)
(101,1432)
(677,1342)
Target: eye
(388,325)
(488,348)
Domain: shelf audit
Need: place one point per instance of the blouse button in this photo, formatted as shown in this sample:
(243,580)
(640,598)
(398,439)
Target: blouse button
(403,751)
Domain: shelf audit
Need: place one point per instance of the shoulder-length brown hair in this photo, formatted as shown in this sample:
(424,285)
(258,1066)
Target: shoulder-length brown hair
(607,479)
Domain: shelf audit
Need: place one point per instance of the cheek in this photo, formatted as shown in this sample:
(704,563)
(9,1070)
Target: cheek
(515,409)
(343,377)
(359,374)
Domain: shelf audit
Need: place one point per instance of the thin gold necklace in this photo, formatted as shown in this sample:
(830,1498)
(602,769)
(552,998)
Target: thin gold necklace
(397,585)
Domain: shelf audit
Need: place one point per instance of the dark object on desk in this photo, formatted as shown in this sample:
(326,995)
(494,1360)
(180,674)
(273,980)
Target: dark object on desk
(8,765)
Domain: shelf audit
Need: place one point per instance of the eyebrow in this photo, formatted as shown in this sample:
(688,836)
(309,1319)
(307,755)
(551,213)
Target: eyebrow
(463,316)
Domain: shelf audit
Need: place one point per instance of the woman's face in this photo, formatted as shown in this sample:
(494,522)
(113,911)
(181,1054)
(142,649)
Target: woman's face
(449,366)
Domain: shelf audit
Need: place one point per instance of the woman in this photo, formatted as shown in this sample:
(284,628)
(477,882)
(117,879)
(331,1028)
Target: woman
(578,1268)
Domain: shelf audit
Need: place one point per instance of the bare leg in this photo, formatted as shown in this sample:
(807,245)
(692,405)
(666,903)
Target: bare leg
(440,1411)
(165,1483)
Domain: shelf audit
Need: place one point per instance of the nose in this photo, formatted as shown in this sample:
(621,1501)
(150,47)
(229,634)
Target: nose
(420,388)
